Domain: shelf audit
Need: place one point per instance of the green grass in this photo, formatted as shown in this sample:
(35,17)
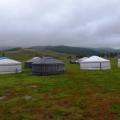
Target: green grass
(74,95)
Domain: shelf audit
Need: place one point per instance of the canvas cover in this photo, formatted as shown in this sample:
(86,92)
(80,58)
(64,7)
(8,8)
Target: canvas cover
(118,62)
(95,63)
(81,59)
(10,66)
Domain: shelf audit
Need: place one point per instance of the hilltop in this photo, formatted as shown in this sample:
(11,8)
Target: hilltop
(57,51)
(81,51)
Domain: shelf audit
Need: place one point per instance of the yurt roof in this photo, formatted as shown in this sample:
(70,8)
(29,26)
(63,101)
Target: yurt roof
(48,61)
(95,59)
(34,59)
(81,59)
(7,61)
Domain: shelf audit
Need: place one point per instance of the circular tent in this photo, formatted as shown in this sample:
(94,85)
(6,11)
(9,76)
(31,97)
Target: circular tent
(81,59)
(29,62)
(9,66)
(119,62)
(47,67)
(95,63)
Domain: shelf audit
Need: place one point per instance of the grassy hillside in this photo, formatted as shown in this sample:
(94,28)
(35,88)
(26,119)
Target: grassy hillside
(25,54)
(74,95)
(81,51)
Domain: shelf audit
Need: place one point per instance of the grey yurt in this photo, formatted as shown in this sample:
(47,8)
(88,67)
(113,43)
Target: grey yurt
(48,66)
(29,62)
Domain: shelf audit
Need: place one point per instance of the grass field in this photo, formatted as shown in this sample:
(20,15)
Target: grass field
(75,95)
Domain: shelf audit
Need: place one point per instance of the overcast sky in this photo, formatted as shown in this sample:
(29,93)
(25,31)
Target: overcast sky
(86,23)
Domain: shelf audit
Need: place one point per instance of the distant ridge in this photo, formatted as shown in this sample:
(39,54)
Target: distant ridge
(79,51)
(82,51)
(5,47)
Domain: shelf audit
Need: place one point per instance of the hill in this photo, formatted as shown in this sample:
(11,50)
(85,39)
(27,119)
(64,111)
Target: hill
(81,51)
(23,54)
(57,51)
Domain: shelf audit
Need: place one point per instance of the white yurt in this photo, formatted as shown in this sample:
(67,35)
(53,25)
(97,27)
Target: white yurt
(28,63)
(81,59)
(119,62)
(95,63)
(9,66)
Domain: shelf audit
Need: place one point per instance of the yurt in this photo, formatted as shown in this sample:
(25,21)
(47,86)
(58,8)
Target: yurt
(9,66)
(48,66)
(81,59)
(95,63)
(28,63)
(119,62)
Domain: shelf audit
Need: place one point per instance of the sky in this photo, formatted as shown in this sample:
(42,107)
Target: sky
(81,23)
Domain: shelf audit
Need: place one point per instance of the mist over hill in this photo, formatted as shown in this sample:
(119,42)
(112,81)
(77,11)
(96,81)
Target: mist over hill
(81,51)
(6,47)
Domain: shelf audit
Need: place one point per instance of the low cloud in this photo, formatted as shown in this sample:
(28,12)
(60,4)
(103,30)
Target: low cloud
(87,23)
